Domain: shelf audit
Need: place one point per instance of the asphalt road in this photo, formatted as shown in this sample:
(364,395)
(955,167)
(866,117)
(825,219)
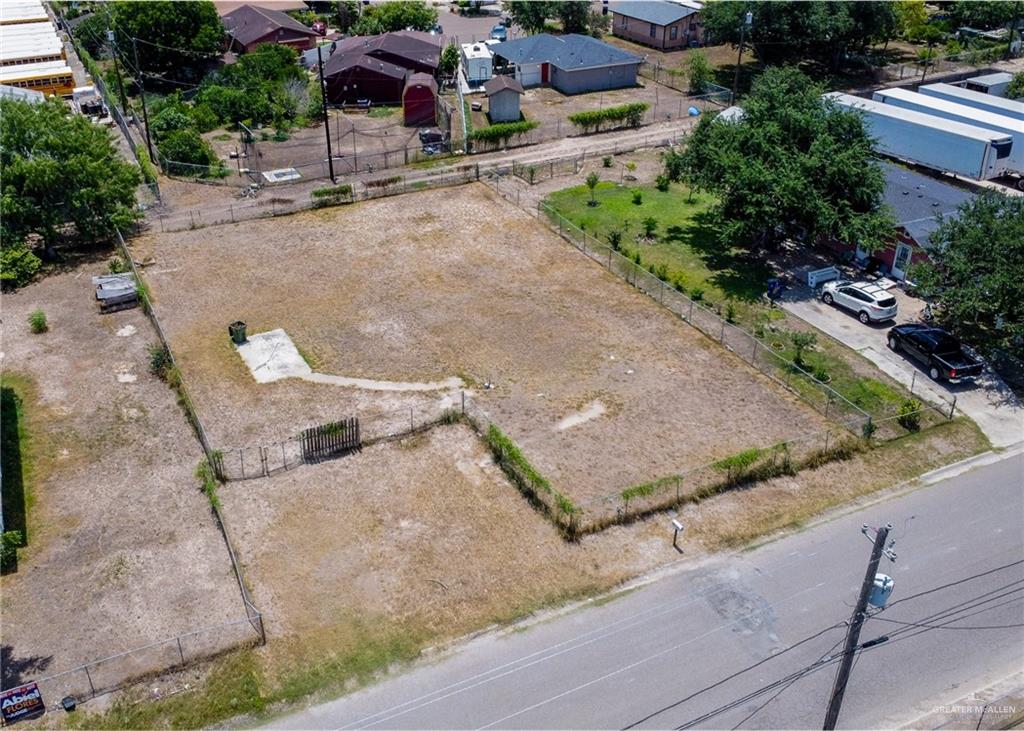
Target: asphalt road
(634,660)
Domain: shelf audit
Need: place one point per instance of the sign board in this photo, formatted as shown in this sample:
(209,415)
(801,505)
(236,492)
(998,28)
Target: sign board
(22,702)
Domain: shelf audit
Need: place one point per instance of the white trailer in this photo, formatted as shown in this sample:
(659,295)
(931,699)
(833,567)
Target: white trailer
(994,84)
(999,105)
(478,61)
(933,142)
(961,113)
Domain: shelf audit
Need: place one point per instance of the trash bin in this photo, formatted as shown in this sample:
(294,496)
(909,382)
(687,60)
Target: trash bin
(237,332)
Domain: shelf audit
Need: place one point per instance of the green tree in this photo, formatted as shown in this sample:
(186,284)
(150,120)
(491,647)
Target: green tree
(91,32)
(982,14)
(395,15)
(185,152)
(450,59)
(574,15)
(346,13)
(792,31)
(56,169)
(911,18)
(592,180)
(795,167)
(976,260)
(699,71)
(529,15)
(1016,88)
(170,36)
(600,25)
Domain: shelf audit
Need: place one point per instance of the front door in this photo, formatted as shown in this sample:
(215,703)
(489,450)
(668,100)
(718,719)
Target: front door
(901,262)
(544,72)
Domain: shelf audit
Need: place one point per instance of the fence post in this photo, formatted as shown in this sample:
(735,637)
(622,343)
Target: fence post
(828,404)
(463,402)
(753,352)
(913,380)
(721,337)
(284,458)
(952,408)
(828,433)
(181,653)
(690,316)
(241,461)
(412,426)
(89,678)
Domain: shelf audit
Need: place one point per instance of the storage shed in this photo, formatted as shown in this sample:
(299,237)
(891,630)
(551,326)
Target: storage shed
(503,94)
(419,100)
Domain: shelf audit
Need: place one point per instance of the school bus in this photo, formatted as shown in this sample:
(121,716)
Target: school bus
(49,77)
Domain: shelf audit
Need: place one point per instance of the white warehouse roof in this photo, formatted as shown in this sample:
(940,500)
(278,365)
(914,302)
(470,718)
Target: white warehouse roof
(22,11)
(9,74)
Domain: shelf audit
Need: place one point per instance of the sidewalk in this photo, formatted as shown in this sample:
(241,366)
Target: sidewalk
(998,706)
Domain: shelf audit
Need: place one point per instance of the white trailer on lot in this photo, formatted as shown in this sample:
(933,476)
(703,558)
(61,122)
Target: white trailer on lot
(994,84)
(933,142)
(999,105)
(961,113)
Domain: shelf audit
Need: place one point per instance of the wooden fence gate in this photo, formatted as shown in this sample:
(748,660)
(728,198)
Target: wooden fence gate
(328,440)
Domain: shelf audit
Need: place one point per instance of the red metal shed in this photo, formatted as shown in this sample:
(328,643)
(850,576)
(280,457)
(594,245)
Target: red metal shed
(419,100)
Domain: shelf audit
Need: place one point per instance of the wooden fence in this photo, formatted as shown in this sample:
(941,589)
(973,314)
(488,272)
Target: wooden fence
(327,440)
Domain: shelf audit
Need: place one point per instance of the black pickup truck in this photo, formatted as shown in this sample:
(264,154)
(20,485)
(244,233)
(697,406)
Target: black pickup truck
(939,352)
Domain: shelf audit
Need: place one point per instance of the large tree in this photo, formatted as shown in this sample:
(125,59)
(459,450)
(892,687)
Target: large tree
(792,31)
(60,176)
(395,15)
(1016,88)
(795,166)
(530,15)
(169,37)
(982,14)
(574,15)
(977,260)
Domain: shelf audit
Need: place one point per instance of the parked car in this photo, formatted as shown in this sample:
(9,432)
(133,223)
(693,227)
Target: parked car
(431,136)
(870,302)
(499,33)
(939,352)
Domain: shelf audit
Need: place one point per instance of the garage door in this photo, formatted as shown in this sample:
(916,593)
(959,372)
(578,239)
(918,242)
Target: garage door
(530,75)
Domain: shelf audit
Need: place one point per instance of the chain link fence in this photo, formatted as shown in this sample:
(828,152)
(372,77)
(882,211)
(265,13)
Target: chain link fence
(174,653)
(252,462)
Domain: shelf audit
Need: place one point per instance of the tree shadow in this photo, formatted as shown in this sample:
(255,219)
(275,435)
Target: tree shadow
(17,671)
(738,273)
(13,486)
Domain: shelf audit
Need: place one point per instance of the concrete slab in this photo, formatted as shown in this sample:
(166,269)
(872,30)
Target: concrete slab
(272,356)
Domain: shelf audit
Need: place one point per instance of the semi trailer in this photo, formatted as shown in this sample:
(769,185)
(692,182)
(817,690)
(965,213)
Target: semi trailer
(1007,107)
(961,113)
(995,84)
(930,141)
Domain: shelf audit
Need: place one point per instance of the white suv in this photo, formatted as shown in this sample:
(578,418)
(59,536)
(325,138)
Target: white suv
(869,301)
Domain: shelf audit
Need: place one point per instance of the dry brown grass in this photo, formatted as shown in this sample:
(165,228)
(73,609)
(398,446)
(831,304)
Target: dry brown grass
(483,290)
(783,503)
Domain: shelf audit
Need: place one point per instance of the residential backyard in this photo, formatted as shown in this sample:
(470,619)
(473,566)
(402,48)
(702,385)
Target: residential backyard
(671,234)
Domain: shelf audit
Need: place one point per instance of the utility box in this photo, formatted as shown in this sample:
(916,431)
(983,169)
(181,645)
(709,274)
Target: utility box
(880,591)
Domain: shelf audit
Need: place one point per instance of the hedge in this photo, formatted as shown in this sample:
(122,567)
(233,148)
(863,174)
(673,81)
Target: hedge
(632,114)
(332,196)
(145,164)
(502,132)
(526,477)
(383,182)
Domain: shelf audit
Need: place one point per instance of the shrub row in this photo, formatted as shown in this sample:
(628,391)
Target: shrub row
(145,164)
(525,476)
(332,196)
(383,182)
(630,114)
(502,132)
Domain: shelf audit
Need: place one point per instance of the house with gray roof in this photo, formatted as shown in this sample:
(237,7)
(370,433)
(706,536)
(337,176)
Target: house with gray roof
(663,24)
(573,63)
(919,203)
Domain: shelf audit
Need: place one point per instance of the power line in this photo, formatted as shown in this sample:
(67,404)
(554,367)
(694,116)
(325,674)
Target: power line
(734,675)
(955,583)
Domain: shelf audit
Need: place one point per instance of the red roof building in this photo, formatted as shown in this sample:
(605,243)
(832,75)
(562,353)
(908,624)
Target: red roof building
(249,26)
(419,100)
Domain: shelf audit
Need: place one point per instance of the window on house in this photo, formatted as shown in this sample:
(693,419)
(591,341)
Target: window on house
(673,32)
(625,21)
(693,26)
(654,30)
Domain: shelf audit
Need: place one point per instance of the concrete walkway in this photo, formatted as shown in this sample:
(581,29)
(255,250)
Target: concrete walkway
(988,401)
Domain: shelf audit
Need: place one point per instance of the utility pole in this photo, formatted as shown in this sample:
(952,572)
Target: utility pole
(327,122)
(142,93)
(748,20)
(853,633)
(117,68)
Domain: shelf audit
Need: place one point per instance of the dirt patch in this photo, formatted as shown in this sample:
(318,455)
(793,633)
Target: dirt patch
(374,534)
(484,292)
(122,549)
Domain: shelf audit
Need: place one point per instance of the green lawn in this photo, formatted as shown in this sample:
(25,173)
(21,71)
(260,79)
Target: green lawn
(685,241)
(685,251)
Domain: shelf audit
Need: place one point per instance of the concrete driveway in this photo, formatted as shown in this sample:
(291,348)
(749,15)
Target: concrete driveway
(992,405)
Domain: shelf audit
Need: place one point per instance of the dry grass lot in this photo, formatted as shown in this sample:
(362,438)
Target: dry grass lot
(481,291)
(122,548)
